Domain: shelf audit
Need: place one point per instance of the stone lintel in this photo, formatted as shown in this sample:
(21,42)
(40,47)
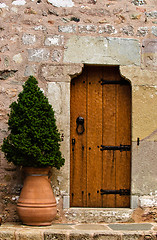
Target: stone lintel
(100,50)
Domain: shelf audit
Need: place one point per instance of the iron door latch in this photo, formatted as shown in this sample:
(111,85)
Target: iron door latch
(120,82)
(121,192)
(120,147)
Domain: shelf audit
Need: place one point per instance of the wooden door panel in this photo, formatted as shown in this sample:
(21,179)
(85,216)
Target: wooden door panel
(94,138)
(106,110)
(123,136)
(109,123)
(78,150)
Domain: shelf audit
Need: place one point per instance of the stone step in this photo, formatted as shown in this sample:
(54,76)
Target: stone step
(127,231)
(95,215)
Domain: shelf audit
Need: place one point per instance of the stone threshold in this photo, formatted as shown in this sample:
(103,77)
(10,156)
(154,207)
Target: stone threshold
(95,215)
(117,231)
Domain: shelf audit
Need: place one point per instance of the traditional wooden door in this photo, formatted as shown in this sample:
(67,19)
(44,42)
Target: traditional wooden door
(100,139)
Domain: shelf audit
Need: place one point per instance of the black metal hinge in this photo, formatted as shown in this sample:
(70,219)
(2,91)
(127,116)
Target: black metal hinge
(121,82)
(120,147)
(120,192)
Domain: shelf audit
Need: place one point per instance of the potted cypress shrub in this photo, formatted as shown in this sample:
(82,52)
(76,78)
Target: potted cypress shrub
(33,143)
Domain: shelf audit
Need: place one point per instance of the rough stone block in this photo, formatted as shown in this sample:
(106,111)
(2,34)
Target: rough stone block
(67,29)
(56,55)
(19,2)
(154,30)
(58,94)
(30,70)
(61,3)
(4,74)
(142,31)
(144,169)
(143,98)
(107,236)
(87,28)
(4,48)
(3,5)
(59,98)
(54,90)
(128,30)
(73,69)
(99,50)
(149,46)
(40,27)
(30,234)
(98,215)
(125,51)
(38,55)
(7,235)
(14,9)
(51,72)
(107,29)
(28,39)
(139,76)
(152,14)
(79,236)
(132,236)
(17,58)
(148,201)
(139,2)
(56,40)
(54,236)
(149,53)
(60,73)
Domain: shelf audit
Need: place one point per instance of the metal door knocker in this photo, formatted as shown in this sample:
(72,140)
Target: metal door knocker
(80,125)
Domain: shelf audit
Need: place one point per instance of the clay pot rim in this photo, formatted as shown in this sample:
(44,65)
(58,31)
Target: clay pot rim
(36,171)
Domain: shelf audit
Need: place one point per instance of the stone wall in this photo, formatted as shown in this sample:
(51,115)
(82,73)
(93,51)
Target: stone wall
(52,40)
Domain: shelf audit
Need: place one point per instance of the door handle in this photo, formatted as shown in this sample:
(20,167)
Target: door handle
(80,125)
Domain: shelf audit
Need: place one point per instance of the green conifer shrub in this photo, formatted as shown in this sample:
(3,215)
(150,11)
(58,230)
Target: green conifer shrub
(34,139)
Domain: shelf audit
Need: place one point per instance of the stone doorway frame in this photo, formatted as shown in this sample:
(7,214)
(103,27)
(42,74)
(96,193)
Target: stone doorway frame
(96,51)
(59,88)
(75,183)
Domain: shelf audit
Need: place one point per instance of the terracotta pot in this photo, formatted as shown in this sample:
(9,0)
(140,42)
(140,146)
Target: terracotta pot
(37,204)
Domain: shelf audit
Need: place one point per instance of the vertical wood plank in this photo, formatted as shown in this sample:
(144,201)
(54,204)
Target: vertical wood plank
(123,136)
(94,137)
(78,151)
(109,130)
